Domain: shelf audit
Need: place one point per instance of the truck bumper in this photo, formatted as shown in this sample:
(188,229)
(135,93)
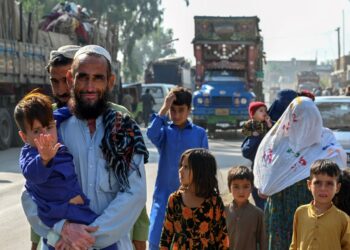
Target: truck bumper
(226,120)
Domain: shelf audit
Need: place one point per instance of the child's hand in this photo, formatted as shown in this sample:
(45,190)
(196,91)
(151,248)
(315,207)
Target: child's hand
(268,121)
(168,101)
(262,196)
(46,147)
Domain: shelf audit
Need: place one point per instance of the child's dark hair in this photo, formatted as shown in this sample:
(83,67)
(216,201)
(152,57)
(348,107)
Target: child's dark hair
(325,167)
(203,166)
(34,106)
(183,96)
(240,173)
(342,198)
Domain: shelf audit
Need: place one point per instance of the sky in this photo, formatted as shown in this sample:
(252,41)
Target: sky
(301,29)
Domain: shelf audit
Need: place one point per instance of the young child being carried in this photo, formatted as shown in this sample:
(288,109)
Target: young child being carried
(259,122)
(48,166)
(245,222)
(254,131)
(195,217)
(320,225)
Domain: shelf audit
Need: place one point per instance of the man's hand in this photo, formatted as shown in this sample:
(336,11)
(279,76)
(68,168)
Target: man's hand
(47,147)
(139,245)
(78,236)
(62,245)
(169,99)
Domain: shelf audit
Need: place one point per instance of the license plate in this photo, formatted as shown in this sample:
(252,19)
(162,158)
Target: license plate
(222,111)
(223,125)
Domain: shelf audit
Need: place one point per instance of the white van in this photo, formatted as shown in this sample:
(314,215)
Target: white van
(159,91)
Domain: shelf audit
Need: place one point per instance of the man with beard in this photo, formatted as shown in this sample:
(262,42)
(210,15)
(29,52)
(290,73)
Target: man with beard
(109,154)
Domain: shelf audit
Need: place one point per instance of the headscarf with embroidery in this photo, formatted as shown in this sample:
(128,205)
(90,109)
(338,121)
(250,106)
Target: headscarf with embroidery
(121,140)
(287,151)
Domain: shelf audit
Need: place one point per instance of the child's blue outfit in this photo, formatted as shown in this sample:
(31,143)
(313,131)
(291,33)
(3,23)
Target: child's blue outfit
(52,186)
(171,141)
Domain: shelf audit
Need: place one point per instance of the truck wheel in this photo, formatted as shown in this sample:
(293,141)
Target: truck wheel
(16,139)
(211,132)
(6,129)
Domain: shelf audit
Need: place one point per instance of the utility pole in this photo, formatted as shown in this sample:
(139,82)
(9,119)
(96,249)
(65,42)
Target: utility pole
(338,61)
(343,32)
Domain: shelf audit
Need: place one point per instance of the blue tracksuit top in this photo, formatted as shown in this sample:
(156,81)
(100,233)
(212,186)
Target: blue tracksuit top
(52,186)
(171,142)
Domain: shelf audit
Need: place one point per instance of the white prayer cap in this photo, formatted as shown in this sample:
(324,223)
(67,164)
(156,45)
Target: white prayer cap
(67,51)
(96,49)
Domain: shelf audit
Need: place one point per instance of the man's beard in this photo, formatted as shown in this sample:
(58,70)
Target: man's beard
(86,111)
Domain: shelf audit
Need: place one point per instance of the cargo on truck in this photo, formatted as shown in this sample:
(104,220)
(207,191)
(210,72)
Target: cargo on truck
(24,53)
(229,70)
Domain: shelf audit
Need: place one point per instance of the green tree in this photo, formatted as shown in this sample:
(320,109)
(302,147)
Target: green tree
(155,45)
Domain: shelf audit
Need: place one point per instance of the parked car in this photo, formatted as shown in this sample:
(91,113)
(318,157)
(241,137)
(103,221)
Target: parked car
(159,91)
(335,112)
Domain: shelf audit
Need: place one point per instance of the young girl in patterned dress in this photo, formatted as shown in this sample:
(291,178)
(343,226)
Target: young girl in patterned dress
(195,217)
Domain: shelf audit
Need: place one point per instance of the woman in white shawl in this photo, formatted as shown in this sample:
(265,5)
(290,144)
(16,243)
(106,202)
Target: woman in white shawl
(283,163)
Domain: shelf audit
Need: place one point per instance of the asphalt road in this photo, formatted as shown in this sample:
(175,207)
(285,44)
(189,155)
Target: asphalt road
(14,229)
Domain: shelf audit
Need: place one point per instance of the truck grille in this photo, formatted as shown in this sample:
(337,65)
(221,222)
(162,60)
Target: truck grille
(221,100)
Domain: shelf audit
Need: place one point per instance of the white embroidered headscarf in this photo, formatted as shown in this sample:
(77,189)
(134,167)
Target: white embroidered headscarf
(296,140)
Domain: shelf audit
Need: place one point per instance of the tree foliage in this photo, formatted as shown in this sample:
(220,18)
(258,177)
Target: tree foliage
(156,44)
(127,22)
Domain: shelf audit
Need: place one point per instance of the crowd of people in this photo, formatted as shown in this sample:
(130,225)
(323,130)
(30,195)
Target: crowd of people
(84,164)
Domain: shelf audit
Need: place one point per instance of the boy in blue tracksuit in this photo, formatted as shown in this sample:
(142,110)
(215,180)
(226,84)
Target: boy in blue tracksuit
(48,166)
(171,138)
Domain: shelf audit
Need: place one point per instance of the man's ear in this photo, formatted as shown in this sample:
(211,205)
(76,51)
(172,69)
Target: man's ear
(309,184)
(23,136)
(111,82)
(69,78)
(338,187)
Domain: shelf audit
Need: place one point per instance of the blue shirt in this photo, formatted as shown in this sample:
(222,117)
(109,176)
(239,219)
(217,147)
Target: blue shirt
(52,186)
(118,211)
(171,141)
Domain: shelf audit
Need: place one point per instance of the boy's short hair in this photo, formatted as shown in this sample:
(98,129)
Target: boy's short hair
(183,96)
(240,173)
(34,106)
(325,166)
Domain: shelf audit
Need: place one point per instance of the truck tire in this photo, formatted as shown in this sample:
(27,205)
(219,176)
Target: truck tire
(16,139)
(6,129)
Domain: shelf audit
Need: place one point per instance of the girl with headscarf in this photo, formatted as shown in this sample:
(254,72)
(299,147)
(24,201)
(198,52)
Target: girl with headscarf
(284,158)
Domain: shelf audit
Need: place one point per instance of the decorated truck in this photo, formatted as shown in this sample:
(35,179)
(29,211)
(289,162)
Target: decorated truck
(308,80)
(24,53)
(229,70)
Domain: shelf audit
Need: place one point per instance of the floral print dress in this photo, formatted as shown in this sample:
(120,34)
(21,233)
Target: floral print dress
(201,227)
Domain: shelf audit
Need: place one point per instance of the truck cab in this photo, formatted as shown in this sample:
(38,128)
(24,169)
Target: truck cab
(221,102)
